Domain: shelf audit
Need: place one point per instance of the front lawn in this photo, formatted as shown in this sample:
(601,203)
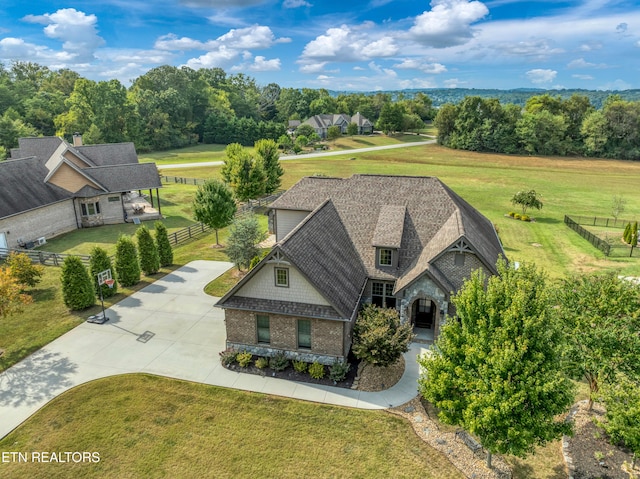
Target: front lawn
(146,426)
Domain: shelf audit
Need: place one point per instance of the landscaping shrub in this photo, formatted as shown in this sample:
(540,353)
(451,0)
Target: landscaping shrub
(77,287)
(165,252)
(512,213)
(300,366)
(626,236)
(98,263)
(517,216)
(279,362)
(23,270)
(127,265)
(228,356)
(262,363)
(338,370)
(148,251)
(525,217)
(244,358)
(316,370)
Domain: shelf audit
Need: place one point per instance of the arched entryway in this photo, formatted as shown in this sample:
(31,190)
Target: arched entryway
(423,313)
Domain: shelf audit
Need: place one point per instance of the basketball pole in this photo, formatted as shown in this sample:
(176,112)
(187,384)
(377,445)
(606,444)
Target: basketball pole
(104,316)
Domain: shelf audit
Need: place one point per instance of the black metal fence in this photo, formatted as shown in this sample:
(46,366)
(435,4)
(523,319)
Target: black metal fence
(609,246)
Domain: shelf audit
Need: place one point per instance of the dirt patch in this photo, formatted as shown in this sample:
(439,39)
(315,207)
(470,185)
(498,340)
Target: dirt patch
(590,451)
(375,378)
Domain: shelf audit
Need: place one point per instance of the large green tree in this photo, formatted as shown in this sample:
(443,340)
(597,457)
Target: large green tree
(243,173)
(244,237)
(267,150)
(214,205)
(495,370)
(527,199)
(600,315)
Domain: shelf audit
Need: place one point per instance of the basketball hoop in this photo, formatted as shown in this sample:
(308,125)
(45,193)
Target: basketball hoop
(109,282)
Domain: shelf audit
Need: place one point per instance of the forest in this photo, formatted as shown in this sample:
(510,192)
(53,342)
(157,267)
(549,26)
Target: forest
(171,107)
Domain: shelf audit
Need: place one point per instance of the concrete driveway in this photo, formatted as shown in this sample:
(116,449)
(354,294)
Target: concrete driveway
(170,328)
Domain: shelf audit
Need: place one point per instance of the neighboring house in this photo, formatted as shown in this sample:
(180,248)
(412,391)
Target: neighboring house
(321,123)
(50,187)
(400,242)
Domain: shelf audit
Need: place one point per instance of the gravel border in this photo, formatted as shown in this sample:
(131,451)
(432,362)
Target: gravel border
(469,464)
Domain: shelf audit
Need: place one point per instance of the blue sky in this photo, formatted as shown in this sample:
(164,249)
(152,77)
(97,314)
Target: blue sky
(340,45)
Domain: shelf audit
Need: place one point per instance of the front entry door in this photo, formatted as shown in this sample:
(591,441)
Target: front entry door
(423,311)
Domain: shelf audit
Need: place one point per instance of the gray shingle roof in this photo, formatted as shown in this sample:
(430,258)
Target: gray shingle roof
(435,218)
(390,225)
(23,178)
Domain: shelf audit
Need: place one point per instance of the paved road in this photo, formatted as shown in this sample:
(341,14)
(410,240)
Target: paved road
(305,156)
(184,335)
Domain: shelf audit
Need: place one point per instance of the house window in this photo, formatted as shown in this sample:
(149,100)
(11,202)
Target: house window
(458,259)
(304,334)
(113,199)
(384,257)
(90,209)
(264,331)
(282,277)
(382,295)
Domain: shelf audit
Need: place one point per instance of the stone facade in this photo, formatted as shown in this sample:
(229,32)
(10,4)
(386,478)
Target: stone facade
(48,221)
(111,212)
(424,288)
(327,337)
(456,274)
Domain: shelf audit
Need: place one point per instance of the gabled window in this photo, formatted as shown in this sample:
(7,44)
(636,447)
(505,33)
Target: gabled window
(385,257)
(282,277)
(304,334)
(264,330)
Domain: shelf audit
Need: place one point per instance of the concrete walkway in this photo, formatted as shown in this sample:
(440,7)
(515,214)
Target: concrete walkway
(170,328)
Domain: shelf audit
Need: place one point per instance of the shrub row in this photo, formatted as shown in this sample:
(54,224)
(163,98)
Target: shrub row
(279,362)
(518,216)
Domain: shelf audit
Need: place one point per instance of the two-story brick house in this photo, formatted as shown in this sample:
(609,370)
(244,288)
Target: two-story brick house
(396,241)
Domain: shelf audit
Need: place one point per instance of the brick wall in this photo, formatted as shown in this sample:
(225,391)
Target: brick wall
(327,337)
(48,221)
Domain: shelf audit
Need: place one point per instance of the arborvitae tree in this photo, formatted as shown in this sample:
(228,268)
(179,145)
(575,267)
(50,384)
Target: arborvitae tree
(626,236)
(100,261)
(77,287)
(148,251)
(634,234)
(214,205)
(165,251)
(127,265)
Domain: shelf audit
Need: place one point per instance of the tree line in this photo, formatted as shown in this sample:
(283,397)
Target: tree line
(547,125)
(169,107)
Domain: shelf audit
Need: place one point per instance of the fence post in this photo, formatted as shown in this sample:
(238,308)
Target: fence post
(175,237)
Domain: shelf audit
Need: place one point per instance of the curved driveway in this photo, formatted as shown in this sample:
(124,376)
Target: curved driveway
(169,328)
(306,155)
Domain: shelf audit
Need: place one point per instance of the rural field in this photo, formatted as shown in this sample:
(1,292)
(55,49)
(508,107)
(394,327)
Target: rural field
(156,427)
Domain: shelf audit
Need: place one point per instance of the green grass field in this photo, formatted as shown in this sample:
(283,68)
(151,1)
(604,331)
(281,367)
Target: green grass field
(144,426)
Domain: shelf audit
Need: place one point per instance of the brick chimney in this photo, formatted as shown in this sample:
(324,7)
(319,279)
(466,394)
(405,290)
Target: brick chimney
(77,139)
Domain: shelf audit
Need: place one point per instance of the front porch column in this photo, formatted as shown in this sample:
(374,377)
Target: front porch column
(158,198)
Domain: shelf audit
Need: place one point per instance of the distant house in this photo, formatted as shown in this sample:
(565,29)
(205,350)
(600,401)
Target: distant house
(399,242)
(50,187)
(321,123)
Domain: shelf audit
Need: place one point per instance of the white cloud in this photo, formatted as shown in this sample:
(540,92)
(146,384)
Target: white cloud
(615,85)
(417,83)
(295,4)
(18,49)
(223,57)
(426,67)
(539,75)
(590,46)
(453,83)
(448,23)
(259,64)
(313,67)
(221,3)
(345,44)
(582,63)
(75,29)
(254,37)
(538,49)
(172,42)
(582,77)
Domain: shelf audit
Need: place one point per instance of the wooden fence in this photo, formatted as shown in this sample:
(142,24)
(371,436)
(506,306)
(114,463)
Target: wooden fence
(181,180)
(611,246)
(44,257)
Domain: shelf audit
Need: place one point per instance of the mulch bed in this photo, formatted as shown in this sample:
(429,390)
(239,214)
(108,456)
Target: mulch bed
(592,453)
(292,375)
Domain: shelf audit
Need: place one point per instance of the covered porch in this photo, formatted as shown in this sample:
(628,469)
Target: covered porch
(141,207)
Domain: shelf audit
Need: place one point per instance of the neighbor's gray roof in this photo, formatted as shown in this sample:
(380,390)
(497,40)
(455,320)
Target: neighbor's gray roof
(22,186)
(320,248)
(435,218)
(22,177)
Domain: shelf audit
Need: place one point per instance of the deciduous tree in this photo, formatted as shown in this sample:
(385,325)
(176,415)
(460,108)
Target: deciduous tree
(244,237)
(495,370)
(23,269)
(214,205)
(11,296)
(267,150)
(243,173)
(600,315)
(527,199)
